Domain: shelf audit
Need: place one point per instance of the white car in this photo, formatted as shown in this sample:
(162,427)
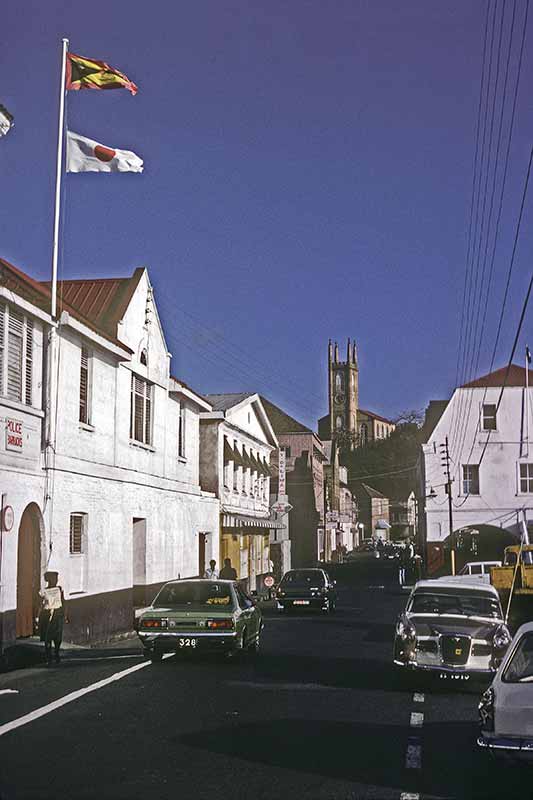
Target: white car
(479,569)
(452,627)
(506,708)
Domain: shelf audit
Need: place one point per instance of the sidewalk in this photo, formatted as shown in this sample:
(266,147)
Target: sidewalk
(30,652)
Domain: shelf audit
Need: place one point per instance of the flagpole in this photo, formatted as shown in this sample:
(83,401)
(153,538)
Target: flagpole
(527,401)
(59,167)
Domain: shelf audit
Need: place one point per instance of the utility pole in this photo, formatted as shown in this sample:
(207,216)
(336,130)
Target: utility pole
(326,509)
(446,463)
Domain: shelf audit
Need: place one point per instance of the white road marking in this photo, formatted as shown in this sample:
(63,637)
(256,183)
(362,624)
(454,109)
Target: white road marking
(9,691)
(409,796)
(100,658)
(69,698)
(413,758)
(418,697)
(417,719)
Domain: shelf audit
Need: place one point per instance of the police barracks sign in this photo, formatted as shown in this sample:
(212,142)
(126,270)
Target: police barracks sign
(14,435)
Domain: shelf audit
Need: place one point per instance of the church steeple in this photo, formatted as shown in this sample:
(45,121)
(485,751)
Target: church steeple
(343,384)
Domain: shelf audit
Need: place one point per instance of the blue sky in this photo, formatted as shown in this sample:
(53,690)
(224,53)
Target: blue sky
(308,175)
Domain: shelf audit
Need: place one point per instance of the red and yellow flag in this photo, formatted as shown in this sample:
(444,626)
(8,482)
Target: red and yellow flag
(86,73)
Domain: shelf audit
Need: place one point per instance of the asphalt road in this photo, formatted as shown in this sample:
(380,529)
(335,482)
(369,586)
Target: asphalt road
(318,714)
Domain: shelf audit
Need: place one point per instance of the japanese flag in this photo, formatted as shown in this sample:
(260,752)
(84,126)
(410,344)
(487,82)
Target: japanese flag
(85,155)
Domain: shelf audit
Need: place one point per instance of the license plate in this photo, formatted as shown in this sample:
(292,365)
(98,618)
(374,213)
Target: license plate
(301,602)
(454,676)
(188,642)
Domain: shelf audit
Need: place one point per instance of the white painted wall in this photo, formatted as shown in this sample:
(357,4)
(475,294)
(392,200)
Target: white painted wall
(500,497)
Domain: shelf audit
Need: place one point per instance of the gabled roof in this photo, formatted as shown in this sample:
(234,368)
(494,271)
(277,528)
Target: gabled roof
(516,377)
(371,492)
(38,293)
(281,421)
(223,402)
(375,416)
(101,300)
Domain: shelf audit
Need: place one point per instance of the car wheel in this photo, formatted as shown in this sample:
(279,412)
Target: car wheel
(255,648)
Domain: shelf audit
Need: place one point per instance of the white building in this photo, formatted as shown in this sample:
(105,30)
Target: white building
(236,440)
(491,466)
(121,510)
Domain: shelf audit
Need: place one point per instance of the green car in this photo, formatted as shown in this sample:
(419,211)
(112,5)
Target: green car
(200,615)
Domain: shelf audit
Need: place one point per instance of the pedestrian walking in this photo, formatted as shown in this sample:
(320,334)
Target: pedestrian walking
(52,617)
(228,572)
(406,558)
(212,571)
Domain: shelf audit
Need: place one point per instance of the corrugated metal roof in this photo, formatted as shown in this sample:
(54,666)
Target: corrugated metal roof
(375,416)
(101,300)
(38,293)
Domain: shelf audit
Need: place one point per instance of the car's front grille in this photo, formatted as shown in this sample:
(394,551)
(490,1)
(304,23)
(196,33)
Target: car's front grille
(455,650)
(426,646)
(481,649)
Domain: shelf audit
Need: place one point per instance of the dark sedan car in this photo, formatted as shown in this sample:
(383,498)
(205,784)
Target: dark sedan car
(307,588)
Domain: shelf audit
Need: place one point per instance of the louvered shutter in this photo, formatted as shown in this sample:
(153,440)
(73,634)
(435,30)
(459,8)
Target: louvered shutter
(28,365)
(2,346)
(76,533)
(84,385)
(15,329)
(148,414)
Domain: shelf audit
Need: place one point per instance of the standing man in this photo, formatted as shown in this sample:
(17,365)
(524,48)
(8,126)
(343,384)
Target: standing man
(52,617)
(212,571)
(406,560)
(228,573)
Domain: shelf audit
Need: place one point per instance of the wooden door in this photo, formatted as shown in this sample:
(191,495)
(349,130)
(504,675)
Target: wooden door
(28,573)
(201,554)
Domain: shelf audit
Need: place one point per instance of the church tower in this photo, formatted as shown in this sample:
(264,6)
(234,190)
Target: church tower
(343,378)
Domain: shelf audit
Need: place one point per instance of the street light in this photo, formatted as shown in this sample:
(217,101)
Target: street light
(361,527)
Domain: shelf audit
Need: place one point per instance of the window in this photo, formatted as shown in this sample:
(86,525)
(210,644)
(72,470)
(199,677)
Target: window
(364,433)
(338,423)
(141,410)
(181,432)
(287,452)
(84,386)
(526,478)
(488,421)
(77,534)
(236,469)
(470,479)
(144,358)
(339,382)
(16,355)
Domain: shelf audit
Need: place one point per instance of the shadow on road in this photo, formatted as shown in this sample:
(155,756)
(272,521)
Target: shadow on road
(371,754)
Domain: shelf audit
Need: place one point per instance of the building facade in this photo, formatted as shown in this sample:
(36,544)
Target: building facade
(236,442)
(122,509)
(488,430)
(304,458)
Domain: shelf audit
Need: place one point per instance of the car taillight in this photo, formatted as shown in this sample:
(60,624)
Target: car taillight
(486,710)
(220,623)
(153,623)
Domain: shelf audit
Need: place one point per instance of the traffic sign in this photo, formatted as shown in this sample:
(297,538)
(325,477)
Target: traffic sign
(269,581)
(332,516)
(281,508)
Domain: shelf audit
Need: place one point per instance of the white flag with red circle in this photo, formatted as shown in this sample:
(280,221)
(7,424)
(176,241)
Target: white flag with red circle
(86,155)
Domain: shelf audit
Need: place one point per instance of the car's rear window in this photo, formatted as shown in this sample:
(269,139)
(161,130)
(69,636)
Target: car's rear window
(303,577)
(467,604)
(520,667)
(195,594)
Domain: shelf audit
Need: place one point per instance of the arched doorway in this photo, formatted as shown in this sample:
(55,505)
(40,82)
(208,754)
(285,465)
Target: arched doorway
(28,570)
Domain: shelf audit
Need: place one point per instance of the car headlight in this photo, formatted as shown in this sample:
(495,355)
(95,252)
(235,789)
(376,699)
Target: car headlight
(486,710)
(502,638)
(405,630)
